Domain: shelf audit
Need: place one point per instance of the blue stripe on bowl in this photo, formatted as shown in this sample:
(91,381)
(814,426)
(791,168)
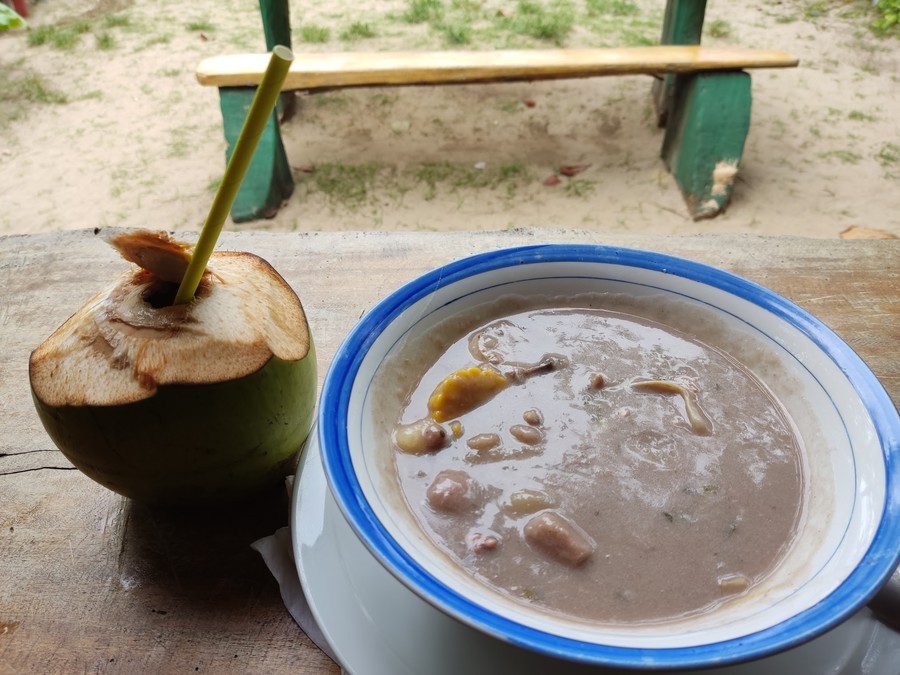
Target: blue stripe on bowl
(877,565)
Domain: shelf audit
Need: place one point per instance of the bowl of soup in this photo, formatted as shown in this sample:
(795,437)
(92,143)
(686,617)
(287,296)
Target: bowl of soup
(614,456)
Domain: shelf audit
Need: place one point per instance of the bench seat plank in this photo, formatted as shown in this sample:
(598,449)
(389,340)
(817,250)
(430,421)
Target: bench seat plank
(311,71)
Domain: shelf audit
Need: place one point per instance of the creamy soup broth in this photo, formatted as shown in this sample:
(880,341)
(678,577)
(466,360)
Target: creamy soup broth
(600,465)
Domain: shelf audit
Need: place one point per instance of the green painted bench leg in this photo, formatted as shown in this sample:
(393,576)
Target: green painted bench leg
(276,22)
(682,25)
(704,139)
(268,181)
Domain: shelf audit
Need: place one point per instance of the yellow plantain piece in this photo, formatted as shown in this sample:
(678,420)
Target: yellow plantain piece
(464,390)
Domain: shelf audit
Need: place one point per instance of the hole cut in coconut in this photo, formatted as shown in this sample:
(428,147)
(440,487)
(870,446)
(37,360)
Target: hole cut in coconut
(160,294)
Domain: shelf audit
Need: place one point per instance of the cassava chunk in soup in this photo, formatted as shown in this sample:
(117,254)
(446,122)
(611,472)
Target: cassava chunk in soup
(600,465)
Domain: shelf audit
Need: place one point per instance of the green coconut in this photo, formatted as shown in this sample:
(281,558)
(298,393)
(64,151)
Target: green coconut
(200,403)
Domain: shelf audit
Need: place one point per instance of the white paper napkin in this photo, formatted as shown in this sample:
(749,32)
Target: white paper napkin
(278,554)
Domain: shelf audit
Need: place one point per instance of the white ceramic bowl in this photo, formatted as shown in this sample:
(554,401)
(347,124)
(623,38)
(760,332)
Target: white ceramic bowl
(847,547)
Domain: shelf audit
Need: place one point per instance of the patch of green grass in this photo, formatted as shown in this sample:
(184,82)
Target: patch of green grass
(718,28)
(869,69)
(468,7)
(511,175)
(423,11)
(612,7)
(313,34)
(213,185)
(514,170)
(433,173)
(508,105)
(174,97)
(383,99)
(31,88)
(621,25)
(170,72)
(779,129)
(855,10)
(161,39)
(105,41)
(475,178)
(552,22)
(814,10)
(845,156)
(456,22)
(637,38)
(338,101)
(527,22)
(889,154)
(179,145)
(786,18)
(200,26)
(454,177)
(60,37)
(358,30)
(117,21)
(579,187)
(860,116)
(347,184)
(457,32)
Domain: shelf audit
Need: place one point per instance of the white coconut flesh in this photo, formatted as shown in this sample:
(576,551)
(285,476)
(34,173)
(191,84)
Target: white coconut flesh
(118,347)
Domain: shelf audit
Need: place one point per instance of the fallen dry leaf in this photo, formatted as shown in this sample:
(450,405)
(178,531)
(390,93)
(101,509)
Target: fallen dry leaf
(857,232)
(529,103)
(570,170)
(552,180)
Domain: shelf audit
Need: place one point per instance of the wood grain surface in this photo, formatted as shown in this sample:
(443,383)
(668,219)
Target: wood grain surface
(357,69)
(92,582)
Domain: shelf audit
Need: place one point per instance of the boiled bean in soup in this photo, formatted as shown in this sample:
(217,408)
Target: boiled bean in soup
(600,465)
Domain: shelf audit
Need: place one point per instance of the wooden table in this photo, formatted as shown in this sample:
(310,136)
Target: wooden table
(90,582)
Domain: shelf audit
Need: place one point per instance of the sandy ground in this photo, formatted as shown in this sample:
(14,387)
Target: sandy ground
(115,130)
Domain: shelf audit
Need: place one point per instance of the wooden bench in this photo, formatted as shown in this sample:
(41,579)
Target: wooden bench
(702,96)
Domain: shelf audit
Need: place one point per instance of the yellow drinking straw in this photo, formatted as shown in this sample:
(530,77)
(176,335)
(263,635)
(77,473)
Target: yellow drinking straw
(260,109)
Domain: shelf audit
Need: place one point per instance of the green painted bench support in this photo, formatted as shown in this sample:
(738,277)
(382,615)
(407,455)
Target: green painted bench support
(708,123)
(268,182)
(706,115)
(682,25)
(276,21)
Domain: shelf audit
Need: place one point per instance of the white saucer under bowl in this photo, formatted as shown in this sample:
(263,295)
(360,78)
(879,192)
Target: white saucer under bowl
(377,626)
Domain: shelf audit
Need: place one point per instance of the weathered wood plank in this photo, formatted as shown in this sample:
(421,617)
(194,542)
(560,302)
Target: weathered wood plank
(354,69)
(91,582)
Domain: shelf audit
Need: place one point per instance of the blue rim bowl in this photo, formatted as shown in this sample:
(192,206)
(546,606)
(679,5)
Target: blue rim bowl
(860,553)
